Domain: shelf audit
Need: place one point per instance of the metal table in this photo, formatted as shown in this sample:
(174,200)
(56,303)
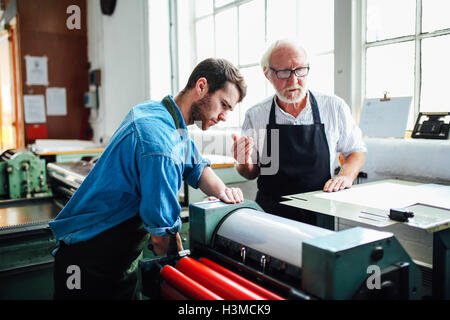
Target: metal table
(432,219)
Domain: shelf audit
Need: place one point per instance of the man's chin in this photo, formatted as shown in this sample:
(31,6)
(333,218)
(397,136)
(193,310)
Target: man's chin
(291,99)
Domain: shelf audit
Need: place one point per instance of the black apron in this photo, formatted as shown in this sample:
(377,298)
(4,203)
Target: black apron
(304,164)
(109,261)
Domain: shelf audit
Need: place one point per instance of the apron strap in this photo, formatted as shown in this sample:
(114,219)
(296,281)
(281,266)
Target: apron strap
(314,109)
(172,110)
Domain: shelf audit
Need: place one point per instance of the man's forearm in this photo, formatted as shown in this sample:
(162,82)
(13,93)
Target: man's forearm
(210,183)
(161,244)
(353,164)
(248,171)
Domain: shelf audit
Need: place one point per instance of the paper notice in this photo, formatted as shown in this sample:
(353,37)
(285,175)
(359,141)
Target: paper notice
(34,107)
(37,72)
(56,101)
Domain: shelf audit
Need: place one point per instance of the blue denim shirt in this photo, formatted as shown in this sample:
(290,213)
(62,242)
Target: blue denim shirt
(141,170)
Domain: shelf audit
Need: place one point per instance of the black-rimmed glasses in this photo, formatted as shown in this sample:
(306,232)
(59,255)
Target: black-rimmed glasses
(286,74)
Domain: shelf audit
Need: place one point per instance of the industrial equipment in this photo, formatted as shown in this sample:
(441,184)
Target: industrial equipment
(237,251)
(22,175)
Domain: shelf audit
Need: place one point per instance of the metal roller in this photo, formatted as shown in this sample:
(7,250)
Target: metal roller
(275,236)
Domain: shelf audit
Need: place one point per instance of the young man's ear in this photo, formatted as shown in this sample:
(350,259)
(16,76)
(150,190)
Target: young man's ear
(201,87)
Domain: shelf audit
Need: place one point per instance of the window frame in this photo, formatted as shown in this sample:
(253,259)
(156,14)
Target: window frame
(417,37)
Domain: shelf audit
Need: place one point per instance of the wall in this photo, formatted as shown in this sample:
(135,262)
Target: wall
(118,45)
(42,31)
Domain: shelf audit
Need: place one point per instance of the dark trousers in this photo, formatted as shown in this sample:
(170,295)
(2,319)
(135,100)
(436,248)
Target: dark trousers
(104,267)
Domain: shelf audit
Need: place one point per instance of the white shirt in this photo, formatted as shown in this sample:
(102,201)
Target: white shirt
(342,133)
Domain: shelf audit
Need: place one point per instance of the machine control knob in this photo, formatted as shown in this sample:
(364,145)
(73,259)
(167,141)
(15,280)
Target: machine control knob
(377,253)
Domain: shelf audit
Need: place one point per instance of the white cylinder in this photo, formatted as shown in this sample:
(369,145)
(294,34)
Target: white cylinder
(275,236)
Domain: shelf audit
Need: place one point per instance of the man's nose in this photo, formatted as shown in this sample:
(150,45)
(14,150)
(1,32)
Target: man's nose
(223,116)
(292,79)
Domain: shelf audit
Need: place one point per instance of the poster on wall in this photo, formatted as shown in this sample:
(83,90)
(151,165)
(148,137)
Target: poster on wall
(34,107)
(56,101)
(36,70)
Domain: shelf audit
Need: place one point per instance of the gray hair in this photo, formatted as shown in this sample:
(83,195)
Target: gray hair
(265,59)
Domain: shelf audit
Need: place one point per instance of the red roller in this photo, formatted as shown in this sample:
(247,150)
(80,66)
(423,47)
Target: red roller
(170,293)
(241,280)
(216,282)
(186,285)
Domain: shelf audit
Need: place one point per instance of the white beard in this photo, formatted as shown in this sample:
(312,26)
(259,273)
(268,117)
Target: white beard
(303,93)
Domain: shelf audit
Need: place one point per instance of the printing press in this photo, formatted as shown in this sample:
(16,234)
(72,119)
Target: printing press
(239,252)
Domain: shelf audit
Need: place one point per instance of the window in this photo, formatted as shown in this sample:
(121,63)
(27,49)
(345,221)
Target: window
(406,42)
(159,50)
(239,31)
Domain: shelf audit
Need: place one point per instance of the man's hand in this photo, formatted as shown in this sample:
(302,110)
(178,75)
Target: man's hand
(338,183)
(242,149)
(231,195)
(161,244)
(213,186)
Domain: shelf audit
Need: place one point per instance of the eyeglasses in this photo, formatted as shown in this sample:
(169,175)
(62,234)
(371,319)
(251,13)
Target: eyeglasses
(286,74)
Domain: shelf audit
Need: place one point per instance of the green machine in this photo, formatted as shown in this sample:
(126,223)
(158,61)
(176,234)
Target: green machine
(22,175)
(26,242)
(301,261)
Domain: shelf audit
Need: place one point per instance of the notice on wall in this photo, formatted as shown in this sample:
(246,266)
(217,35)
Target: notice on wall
(36,70)
(34,107)
(56,101)
(385,118)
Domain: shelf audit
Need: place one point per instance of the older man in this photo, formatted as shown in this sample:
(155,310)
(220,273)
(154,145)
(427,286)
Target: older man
(299,132)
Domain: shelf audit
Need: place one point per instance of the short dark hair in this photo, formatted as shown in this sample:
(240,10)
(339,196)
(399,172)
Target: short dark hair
(217,72)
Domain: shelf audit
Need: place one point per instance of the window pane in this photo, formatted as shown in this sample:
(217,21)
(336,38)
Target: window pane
(205,38)
(226,35)
(390,68)
(390,19)
(256,83)
(281,19)
(435,70)
(251,43)
(185,43)
(435,15)
(203,7)
(160,72)
(316,25)
(220,3)
(321,75)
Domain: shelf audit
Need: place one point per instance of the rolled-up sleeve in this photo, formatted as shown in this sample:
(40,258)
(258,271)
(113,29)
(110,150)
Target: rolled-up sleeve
(194,165)
(160,181)
(350,136)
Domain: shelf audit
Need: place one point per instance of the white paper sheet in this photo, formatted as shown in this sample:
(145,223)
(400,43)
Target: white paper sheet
(56,101)
(382,196)
(435,195)
(34,108)
(37,71)
(388,195)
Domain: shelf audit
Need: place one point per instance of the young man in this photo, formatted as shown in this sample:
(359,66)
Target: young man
(298,132)
(132,190)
